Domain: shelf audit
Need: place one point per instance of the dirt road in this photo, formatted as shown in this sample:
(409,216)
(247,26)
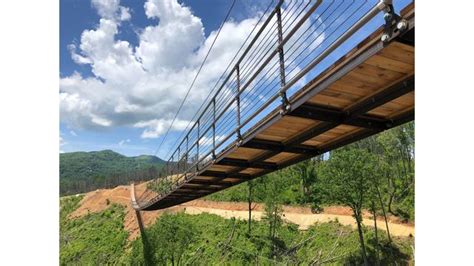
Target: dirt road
(99,200)
(304,221)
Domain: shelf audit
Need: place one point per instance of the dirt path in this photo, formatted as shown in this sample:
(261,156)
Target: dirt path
(304,221)
(100,200)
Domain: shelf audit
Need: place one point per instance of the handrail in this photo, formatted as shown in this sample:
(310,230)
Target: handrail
(204,155)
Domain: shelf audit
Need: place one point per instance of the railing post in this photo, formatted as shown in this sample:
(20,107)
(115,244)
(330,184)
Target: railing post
(213,128)
(285,105)
(179,158)
(187,157)
(172,165)
(239,136)
(197,146)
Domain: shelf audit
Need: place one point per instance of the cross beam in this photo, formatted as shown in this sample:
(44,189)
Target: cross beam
(320,113)
(209,182)
(278,146)
(246,164)
(223,175)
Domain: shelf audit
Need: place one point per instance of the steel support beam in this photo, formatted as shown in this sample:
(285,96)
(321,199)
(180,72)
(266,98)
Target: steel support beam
(210,182)
(277,146)
(320,113)
(204,188)
(383,97)
(372,102)
(223,175)
(246,164)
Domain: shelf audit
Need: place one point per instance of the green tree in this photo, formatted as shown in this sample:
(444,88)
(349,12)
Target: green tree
(347,175)
(273,207)
(397,152)
(171,235)
(250,185)
(305,171)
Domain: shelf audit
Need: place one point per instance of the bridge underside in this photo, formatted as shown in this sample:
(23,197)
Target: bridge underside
(369,90)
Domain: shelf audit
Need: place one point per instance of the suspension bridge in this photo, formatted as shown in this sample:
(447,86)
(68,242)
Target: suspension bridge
(305,83)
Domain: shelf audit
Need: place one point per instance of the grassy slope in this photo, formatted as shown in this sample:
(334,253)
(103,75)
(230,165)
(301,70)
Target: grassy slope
(99,238)
(95,239)
(211,246)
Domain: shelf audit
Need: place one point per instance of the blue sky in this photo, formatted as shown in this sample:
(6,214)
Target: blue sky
(79,15)
(119,84)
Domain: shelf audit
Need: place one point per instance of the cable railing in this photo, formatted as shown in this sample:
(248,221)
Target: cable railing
(293,39)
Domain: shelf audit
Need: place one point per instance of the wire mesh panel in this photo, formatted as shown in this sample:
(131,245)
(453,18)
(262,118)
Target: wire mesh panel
(292,43)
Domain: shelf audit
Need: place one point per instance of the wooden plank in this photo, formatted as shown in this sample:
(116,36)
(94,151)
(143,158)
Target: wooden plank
(390,64)
(330,101)
(394,107)
(222,168)
(250,171)
(342,136)
(286,127)
(203,177)
(245,153)
(368,78)
(346,95)
(350,87)
(327,136)
(379,72)
(400,52)
(406,110)
(282,156)
(313,142)
(406,100)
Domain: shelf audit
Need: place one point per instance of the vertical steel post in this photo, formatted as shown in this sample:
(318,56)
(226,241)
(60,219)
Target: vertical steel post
(172,166)
(179,158)
(239,136)
(284,100)
(187,157)
(197,146)
(213,128)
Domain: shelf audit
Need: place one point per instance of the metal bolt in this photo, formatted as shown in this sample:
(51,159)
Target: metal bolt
(385,37)
(402,25)
(387,16)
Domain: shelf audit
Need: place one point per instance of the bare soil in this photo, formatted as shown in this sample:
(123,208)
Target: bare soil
(99,200)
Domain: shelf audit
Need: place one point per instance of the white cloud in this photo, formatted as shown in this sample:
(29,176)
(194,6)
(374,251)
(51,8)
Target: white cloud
(73,133)
(122,142)
(77,58)
(61,143)
(205,141)
(157,127)
(142,85)
(111,9)
(100,121)
(170,44)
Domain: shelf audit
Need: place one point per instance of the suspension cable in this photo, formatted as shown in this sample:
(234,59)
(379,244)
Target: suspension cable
(223,74)
(195,77)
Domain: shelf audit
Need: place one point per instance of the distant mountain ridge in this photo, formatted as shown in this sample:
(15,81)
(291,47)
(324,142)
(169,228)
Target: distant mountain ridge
(82,171)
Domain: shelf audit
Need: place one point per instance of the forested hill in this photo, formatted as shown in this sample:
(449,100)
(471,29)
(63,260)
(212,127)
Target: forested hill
(85,171)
